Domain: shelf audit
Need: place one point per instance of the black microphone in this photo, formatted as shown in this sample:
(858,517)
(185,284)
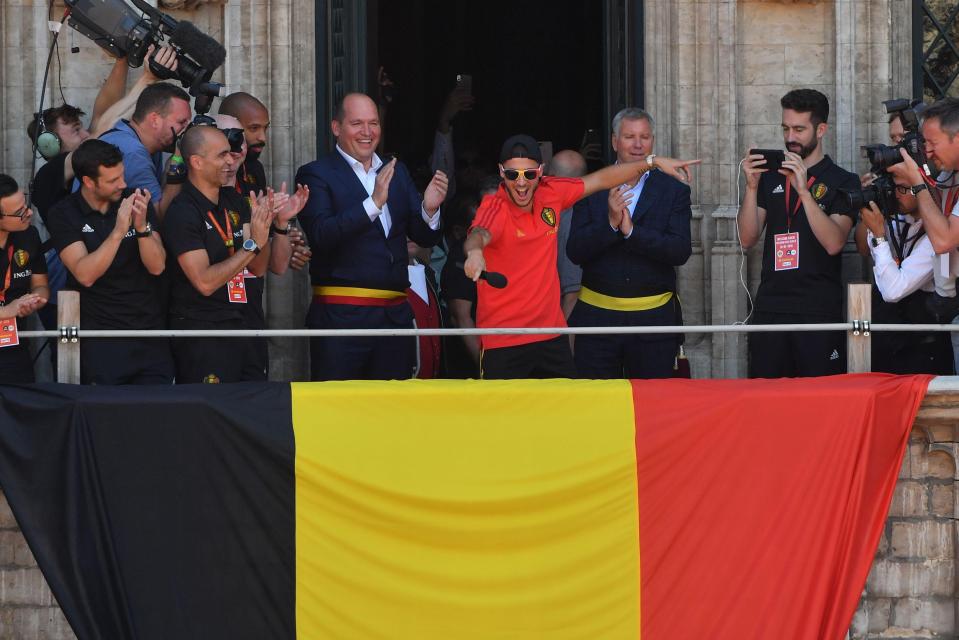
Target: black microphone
(204,49)
(495,280)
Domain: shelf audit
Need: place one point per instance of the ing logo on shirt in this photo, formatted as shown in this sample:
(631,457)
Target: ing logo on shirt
(819,191)
(21,257)
(234,217)
(548,216)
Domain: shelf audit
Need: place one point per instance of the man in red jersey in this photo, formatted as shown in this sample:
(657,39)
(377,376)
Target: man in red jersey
(515,233)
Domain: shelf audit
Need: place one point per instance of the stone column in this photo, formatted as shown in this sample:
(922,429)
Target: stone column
(271,53)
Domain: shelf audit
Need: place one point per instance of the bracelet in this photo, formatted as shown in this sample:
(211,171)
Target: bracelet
(276,229)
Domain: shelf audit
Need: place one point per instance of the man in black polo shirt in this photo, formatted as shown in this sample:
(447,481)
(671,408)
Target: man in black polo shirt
(212,237)
(105,236)
(805,233)
(23,280)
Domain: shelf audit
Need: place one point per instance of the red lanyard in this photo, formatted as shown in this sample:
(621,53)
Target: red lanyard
(9,276)
(952,195)
(790,216)
(226,236)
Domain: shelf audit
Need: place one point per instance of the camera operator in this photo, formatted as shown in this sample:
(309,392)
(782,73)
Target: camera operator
(903,265)
(806,229)
(896,134)
(161,115)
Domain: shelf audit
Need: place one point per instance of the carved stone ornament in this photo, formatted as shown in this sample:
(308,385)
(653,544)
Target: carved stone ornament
(187,4)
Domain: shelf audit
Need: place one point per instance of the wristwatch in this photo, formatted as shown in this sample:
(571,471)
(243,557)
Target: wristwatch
(276,229)
(917,188)
(878,240)
(146,233)
(250,245)
(651,161)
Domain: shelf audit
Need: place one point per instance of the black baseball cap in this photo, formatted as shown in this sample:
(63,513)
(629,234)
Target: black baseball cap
(520,146)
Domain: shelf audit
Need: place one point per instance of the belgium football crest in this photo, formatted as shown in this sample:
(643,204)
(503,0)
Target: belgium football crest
(548,216)
(819,191)
(234,217)
(21,257)
(211,378)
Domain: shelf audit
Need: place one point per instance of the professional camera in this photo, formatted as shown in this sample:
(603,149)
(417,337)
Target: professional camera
(124,30)
(882,190)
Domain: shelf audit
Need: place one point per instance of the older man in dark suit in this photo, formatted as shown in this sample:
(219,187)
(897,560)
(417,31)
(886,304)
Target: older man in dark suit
(629,241)
(360,213)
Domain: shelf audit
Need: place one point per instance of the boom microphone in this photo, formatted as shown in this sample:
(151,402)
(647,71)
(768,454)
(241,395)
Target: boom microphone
(204,49)
(495,280)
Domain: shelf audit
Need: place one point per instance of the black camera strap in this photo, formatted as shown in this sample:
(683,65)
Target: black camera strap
(902,243)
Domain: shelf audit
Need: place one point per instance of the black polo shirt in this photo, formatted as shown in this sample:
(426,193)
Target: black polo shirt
(187,227)
(21,258)
(49,186)
(251,176)
(815,287)
(126,296)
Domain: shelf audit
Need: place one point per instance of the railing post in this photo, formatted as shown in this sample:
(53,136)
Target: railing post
(68,351)
(859,339)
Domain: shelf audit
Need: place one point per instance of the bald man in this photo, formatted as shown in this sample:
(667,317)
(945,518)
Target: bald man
(255,122)
(360,212)
(212,238)
(567,164)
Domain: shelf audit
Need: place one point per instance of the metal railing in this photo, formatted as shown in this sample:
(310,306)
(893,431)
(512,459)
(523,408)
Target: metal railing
(858,330)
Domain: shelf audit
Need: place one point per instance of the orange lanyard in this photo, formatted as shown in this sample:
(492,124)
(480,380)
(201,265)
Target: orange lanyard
(790,216)
(226,236)
(9,276)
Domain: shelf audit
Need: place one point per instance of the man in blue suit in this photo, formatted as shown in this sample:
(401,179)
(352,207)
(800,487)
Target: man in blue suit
(629,241)
(359,215)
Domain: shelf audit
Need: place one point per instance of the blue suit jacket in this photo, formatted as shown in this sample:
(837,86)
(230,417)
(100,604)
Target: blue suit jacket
(348,248)
(645,263)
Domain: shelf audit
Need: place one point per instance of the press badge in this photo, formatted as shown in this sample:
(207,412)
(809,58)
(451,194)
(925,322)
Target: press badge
(236,288)
(787,251)
(8,333)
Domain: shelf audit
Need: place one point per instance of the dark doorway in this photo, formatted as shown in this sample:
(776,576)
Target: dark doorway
(537,67)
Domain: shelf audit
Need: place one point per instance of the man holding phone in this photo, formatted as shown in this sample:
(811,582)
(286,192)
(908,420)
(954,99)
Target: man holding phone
(806,230)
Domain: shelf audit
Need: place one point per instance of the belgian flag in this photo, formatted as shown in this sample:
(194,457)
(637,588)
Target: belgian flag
(458,509)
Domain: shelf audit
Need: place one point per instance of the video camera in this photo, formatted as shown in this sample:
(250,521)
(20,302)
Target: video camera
(124,30)
(882,190)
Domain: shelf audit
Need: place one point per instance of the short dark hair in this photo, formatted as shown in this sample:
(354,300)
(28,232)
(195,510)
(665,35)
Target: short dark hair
(93,154)
(808,101)
(156,99)
(8,186)
(66,112)
(946,111)
(195,140)
(237,102)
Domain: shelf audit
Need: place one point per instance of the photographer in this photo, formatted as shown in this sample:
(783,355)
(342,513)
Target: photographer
(904,262)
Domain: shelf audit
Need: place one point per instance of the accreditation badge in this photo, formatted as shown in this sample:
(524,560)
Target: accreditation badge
(8,333)
(236,288)
(786,246)
(247,273)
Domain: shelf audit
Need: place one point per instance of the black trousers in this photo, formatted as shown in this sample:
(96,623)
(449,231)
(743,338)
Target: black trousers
(602,357)
(16,364)
(361,358)
(212,360)
(544,359)
(112,361)
(795,354)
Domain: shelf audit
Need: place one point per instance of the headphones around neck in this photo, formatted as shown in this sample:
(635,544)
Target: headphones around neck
(47,143)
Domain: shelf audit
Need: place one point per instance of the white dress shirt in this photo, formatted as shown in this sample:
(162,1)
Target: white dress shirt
(895,282)
(368,180)
(637,191)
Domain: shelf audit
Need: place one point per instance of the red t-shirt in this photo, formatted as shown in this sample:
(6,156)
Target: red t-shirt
(523,248)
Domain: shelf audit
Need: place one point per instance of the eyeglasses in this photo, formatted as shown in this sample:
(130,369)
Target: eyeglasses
(513,174)
(20,213)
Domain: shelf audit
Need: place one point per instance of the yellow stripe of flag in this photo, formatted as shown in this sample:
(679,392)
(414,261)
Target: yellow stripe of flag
(466,509)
